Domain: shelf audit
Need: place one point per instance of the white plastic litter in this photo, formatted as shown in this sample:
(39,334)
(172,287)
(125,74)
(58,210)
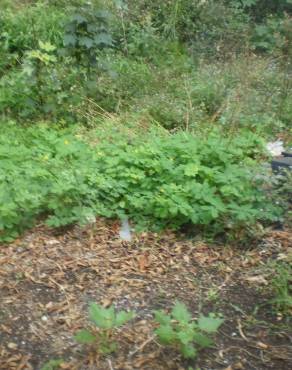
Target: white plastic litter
(125,231)
(275,148)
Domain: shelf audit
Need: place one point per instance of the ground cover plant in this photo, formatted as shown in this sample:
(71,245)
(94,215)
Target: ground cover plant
(155,113)
(164,181)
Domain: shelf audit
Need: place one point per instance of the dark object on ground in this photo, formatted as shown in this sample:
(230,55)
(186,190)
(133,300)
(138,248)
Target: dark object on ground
(287,153)
(282,163)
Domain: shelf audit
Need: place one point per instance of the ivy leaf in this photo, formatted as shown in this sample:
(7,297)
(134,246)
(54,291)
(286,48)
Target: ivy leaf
(84,336)
(209,324)
(181,313)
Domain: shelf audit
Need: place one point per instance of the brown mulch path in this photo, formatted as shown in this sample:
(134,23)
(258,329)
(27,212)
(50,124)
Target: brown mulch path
(47,280)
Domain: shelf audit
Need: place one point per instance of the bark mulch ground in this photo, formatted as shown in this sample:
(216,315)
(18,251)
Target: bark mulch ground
(47,280)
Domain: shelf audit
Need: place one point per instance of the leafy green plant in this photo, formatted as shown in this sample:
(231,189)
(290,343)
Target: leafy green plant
(86,33)
(179,330)
(106,320)
(158,181)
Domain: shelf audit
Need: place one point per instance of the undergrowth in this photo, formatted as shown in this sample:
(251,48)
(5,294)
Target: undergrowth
(157,179)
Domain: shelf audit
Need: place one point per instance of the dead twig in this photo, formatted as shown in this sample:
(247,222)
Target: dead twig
(144,344)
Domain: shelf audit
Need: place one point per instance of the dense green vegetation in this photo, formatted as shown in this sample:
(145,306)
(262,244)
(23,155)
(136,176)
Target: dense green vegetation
(152,110)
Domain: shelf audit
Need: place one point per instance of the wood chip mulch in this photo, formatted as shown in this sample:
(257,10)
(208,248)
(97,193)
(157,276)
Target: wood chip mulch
(47,280)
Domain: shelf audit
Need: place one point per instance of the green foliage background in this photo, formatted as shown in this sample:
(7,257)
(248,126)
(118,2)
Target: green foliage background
(171,100)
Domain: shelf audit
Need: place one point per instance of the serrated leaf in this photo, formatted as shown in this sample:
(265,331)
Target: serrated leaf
(188,351)
(209,324)
(84,336)
(122,317)
(102,317)
(202,340)
(181,313)
(162,318)
(186,336)
(166,334)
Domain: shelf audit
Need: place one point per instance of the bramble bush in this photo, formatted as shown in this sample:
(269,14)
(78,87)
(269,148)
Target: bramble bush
(158,180)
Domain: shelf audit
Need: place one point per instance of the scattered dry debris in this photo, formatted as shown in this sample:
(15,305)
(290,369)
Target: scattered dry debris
(47,280)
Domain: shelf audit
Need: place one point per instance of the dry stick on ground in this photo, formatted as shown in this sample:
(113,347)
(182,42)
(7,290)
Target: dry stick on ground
(110,364)
(144,344)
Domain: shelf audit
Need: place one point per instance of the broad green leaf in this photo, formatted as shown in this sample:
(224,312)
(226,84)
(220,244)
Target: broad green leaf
(181,313)
(84,336)
(209,324)
(166,334)
(79,19)
(103,39)
(86,41)
(69,40)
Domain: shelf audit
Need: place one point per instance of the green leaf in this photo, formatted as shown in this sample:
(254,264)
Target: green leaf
(209,324)
(103,39)
(186,335)
(78,18)
(69,40)
(166,334)
(46,46)
(86,41)
(191,169)
(202,340)
(188,351)
(84,336)
(122,317)
(162,318)
(102,317)
(181,313)
(107,348)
